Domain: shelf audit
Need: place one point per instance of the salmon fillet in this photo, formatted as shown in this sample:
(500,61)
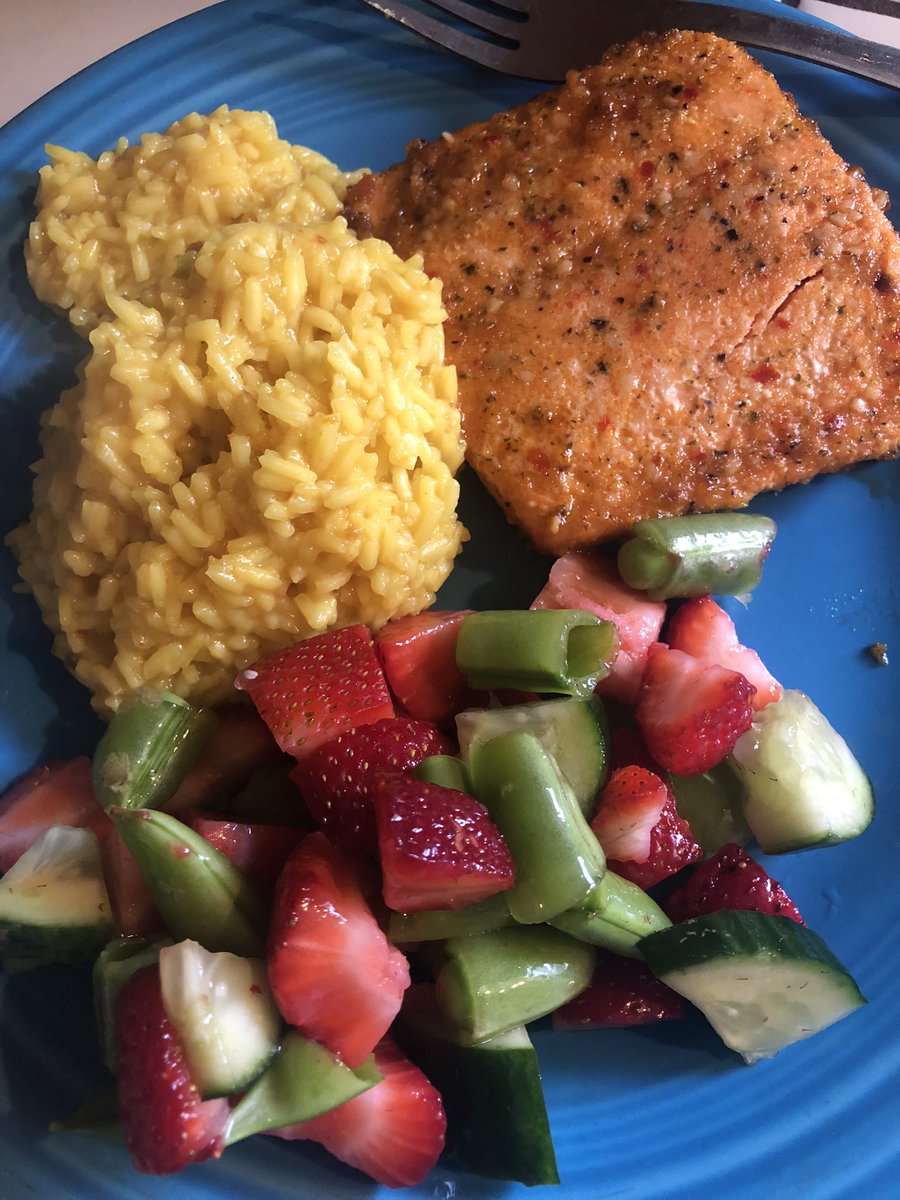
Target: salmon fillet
(666,292)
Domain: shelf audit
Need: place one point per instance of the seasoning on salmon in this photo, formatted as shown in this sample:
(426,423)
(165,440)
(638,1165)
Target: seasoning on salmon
(666,291)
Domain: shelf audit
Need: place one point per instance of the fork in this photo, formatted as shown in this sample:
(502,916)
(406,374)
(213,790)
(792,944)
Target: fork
(543,39)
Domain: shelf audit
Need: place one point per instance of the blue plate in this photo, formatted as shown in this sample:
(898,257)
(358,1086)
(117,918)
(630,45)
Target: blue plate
(658,1114)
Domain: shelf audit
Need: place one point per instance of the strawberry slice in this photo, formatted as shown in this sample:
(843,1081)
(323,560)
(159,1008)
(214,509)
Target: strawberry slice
(579,580)
(337,778)
(166,1124)
(259,851)
(133,908)
(318,688)
(333,972)
(731,879)
(703,629)
(630,806)
(239,745)
(638,826)
(691,715)
(418,654)
(57,793)
(622,992)
(439,848)
(394,1131)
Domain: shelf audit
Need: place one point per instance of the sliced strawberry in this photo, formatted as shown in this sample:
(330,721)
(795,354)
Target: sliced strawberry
(671,843)
(691,715)
(166,1124)
(133,908)
(337,778)
(318,688)
(439,848)
(333,973)
(731,879)
(239,745)
(259,851)
(418,654)
(701,628)
(580,580)
(394,1131)
(630,806)
(622,992)
(57,793)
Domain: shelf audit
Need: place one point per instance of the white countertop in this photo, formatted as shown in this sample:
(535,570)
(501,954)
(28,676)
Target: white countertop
(43,42)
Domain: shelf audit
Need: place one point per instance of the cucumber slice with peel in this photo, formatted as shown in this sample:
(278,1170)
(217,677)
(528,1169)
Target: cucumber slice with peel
(571,730)
(762,981)
(54,907)
(223,1009)
(803,786)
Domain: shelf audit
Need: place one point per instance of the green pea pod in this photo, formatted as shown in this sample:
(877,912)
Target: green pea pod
(117,962)
(303,1081)
(701,555)
(561,651)
(147,749)
(557,857)
(615,915)
(436,925)
(495,981)
(200,893)
(444,770)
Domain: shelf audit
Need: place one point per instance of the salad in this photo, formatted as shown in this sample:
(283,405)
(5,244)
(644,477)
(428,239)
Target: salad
(335,916)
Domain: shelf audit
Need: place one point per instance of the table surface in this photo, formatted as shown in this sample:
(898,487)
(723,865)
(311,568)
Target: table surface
(43,42)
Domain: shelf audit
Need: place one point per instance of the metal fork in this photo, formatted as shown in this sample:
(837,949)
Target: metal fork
(542,39)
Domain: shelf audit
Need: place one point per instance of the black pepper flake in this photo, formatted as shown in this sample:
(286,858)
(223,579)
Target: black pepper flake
(673,156)
(623,185)
(616,199)
(732,235)
(588,258)
(721,356)
(601,368)
(883,282)
(599,322)
(470,268)
(620,299)
(489,288)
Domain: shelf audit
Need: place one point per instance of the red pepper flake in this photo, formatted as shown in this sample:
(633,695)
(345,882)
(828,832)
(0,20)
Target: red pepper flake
(547,229)
(689,93)
(602,425)
(637,327)
(538,459)
(255,989)
(834,423)
(783,322)
(642,269)
(646,169)
(765,374)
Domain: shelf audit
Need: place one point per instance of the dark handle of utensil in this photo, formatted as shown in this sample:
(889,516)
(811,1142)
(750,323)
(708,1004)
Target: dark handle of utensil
(857,56)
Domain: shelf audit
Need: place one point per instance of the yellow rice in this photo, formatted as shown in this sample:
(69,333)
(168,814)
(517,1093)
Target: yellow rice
(266,451)
(120,224)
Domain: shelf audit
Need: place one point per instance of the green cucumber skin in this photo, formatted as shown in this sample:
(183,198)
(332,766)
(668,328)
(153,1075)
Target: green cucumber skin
(803,787)
(24,947)
(497,1124)
(763,981)
(54,906)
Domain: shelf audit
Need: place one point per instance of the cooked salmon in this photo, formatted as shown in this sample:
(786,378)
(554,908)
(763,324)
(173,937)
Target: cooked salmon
(666,292)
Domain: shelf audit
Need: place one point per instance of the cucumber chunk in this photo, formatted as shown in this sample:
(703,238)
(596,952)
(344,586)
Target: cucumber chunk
(572,731)
(762,981)
(54,907)
(497,1122)
(223,1010)
(803,786)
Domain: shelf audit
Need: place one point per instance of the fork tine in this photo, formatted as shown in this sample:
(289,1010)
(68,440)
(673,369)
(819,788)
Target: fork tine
(488,54)
(480,18)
